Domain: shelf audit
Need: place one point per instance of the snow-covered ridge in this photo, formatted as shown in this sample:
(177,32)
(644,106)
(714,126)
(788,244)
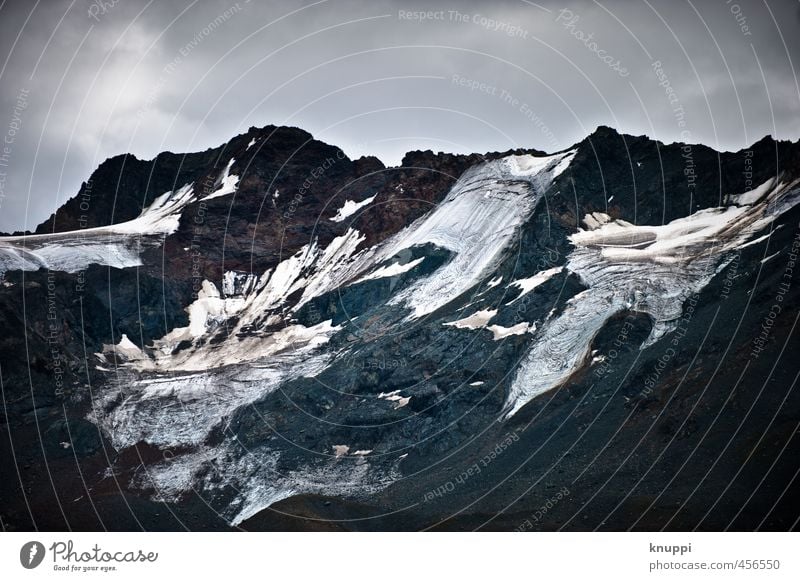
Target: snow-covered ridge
(647,269)
(532,166)
(118,245)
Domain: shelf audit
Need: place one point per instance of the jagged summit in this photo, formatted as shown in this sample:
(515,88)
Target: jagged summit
(123,185)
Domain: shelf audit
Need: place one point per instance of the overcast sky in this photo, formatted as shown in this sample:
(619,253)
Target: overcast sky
(85,80)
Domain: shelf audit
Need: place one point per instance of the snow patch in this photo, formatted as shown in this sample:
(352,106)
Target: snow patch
(226,183)
(394,269)
(596,219)
(755,195)
(477,320)
(180,409)
(530,165)
(238,283)
(528,284)
(258,479)
(126,349)
(518,329)
(340,450)
(350,207)
(395,397)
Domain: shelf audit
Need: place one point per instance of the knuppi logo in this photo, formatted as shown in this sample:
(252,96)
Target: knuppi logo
(31,554)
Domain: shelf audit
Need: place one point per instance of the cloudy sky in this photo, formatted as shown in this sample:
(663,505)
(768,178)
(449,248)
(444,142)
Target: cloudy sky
(84,80)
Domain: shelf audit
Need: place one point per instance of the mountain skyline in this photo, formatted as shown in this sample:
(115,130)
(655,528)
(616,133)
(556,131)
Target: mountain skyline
(83,83)
(371,158)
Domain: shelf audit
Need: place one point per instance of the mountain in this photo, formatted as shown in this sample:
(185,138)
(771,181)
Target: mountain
(272,336)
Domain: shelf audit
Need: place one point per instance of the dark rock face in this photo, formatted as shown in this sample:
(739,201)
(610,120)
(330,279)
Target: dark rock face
(400,421)
(647,182)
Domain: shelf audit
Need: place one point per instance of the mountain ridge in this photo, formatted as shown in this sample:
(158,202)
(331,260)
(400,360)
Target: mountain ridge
(377,337)
(116,163)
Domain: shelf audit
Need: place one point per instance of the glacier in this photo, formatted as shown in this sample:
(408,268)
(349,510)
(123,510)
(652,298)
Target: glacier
(646,269)
(175,397)
(117,246)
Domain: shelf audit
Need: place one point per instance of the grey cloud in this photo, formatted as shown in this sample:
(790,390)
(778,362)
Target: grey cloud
(184,76)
